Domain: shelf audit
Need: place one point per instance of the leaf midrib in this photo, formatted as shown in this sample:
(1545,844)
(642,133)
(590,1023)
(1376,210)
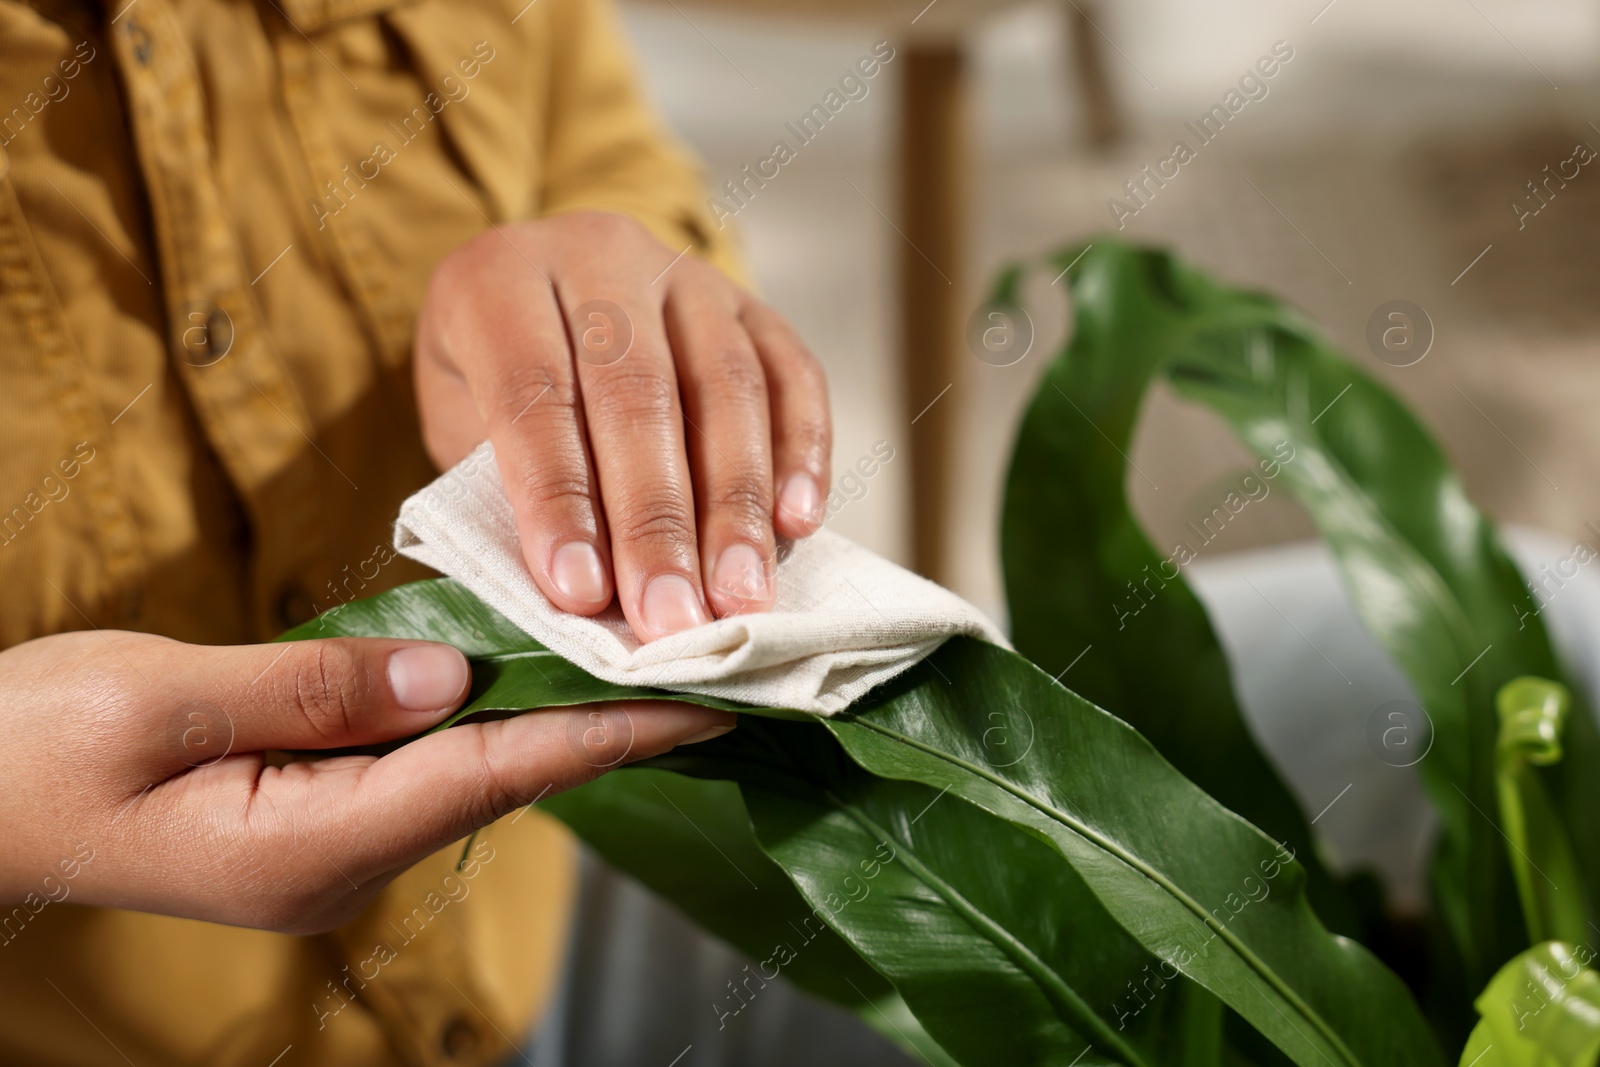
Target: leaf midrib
(1051,984)
(1095,837)
(1068,1004)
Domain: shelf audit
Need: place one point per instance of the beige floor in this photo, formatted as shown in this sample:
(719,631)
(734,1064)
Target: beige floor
(1382,159)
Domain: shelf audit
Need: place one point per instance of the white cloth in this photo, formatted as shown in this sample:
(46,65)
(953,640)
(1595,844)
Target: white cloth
(845,621)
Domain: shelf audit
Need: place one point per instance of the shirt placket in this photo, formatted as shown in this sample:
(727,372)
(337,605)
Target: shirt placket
(241,390)
(385,315)
(253,416)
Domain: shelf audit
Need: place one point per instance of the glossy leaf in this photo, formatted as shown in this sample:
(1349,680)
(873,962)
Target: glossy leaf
(690,841)
(944,900)
(1052,792)
(694,844)
(1090,597)
(1191,882)
(1424,568)
(510,670)
(1542,1009)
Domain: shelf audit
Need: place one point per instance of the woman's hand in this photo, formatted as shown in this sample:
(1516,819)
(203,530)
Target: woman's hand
(654,424)
(135,766)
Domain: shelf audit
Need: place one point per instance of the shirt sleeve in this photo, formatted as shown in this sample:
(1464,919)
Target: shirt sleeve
(607,150)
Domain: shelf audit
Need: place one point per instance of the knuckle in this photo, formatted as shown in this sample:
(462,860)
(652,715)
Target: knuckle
(736,378)
(529,390)
(809,370)
(789,358)
(631,396)
(779,334)
(324,687)
(113,691)
(457,272)
(603,226)
(658,520)
(801,382)
(812,436)
(748,501)
(452,269)
(559,490)
(560,494)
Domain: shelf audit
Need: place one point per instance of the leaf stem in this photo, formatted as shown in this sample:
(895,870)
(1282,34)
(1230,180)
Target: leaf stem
(1533,713)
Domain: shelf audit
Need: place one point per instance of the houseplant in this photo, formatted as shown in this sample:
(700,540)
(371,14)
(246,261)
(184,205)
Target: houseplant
(999,871)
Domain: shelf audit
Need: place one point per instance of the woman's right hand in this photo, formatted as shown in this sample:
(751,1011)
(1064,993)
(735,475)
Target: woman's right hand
(136,766)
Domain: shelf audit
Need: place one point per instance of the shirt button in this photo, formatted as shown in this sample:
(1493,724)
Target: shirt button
(205,333)
(140,37)
(295,607)
(459,1038)
(219,333)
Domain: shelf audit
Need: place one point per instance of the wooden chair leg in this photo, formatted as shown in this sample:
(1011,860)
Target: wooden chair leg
(1097,98)
(933,161)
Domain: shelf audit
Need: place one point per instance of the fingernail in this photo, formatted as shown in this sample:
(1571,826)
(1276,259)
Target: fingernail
(741,573)
(576,571)
(427,677)
(706,735)
(800,499)
(670,604)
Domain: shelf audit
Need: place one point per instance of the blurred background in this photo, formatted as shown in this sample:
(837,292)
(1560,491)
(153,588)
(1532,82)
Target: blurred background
(1381,164)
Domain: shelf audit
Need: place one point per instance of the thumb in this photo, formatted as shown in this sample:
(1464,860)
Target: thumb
(330,693)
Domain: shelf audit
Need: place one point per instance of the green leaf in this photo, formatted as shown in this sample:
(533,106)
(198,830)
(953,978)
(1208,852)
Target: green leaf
(1542,1009)
(943,899)
(1533,715)
(510,671)
(1192,883)
(690,841)
(1087,591)
(1424,568)
(1043,848)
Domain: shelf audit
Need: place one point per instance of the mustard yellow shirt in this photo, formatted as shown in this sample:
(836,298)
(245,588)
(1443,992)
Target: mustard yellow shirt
(217,220)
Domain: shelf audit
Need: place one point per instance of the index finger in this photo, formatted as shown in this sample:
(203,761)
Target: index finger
(419,798)
(522,380)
